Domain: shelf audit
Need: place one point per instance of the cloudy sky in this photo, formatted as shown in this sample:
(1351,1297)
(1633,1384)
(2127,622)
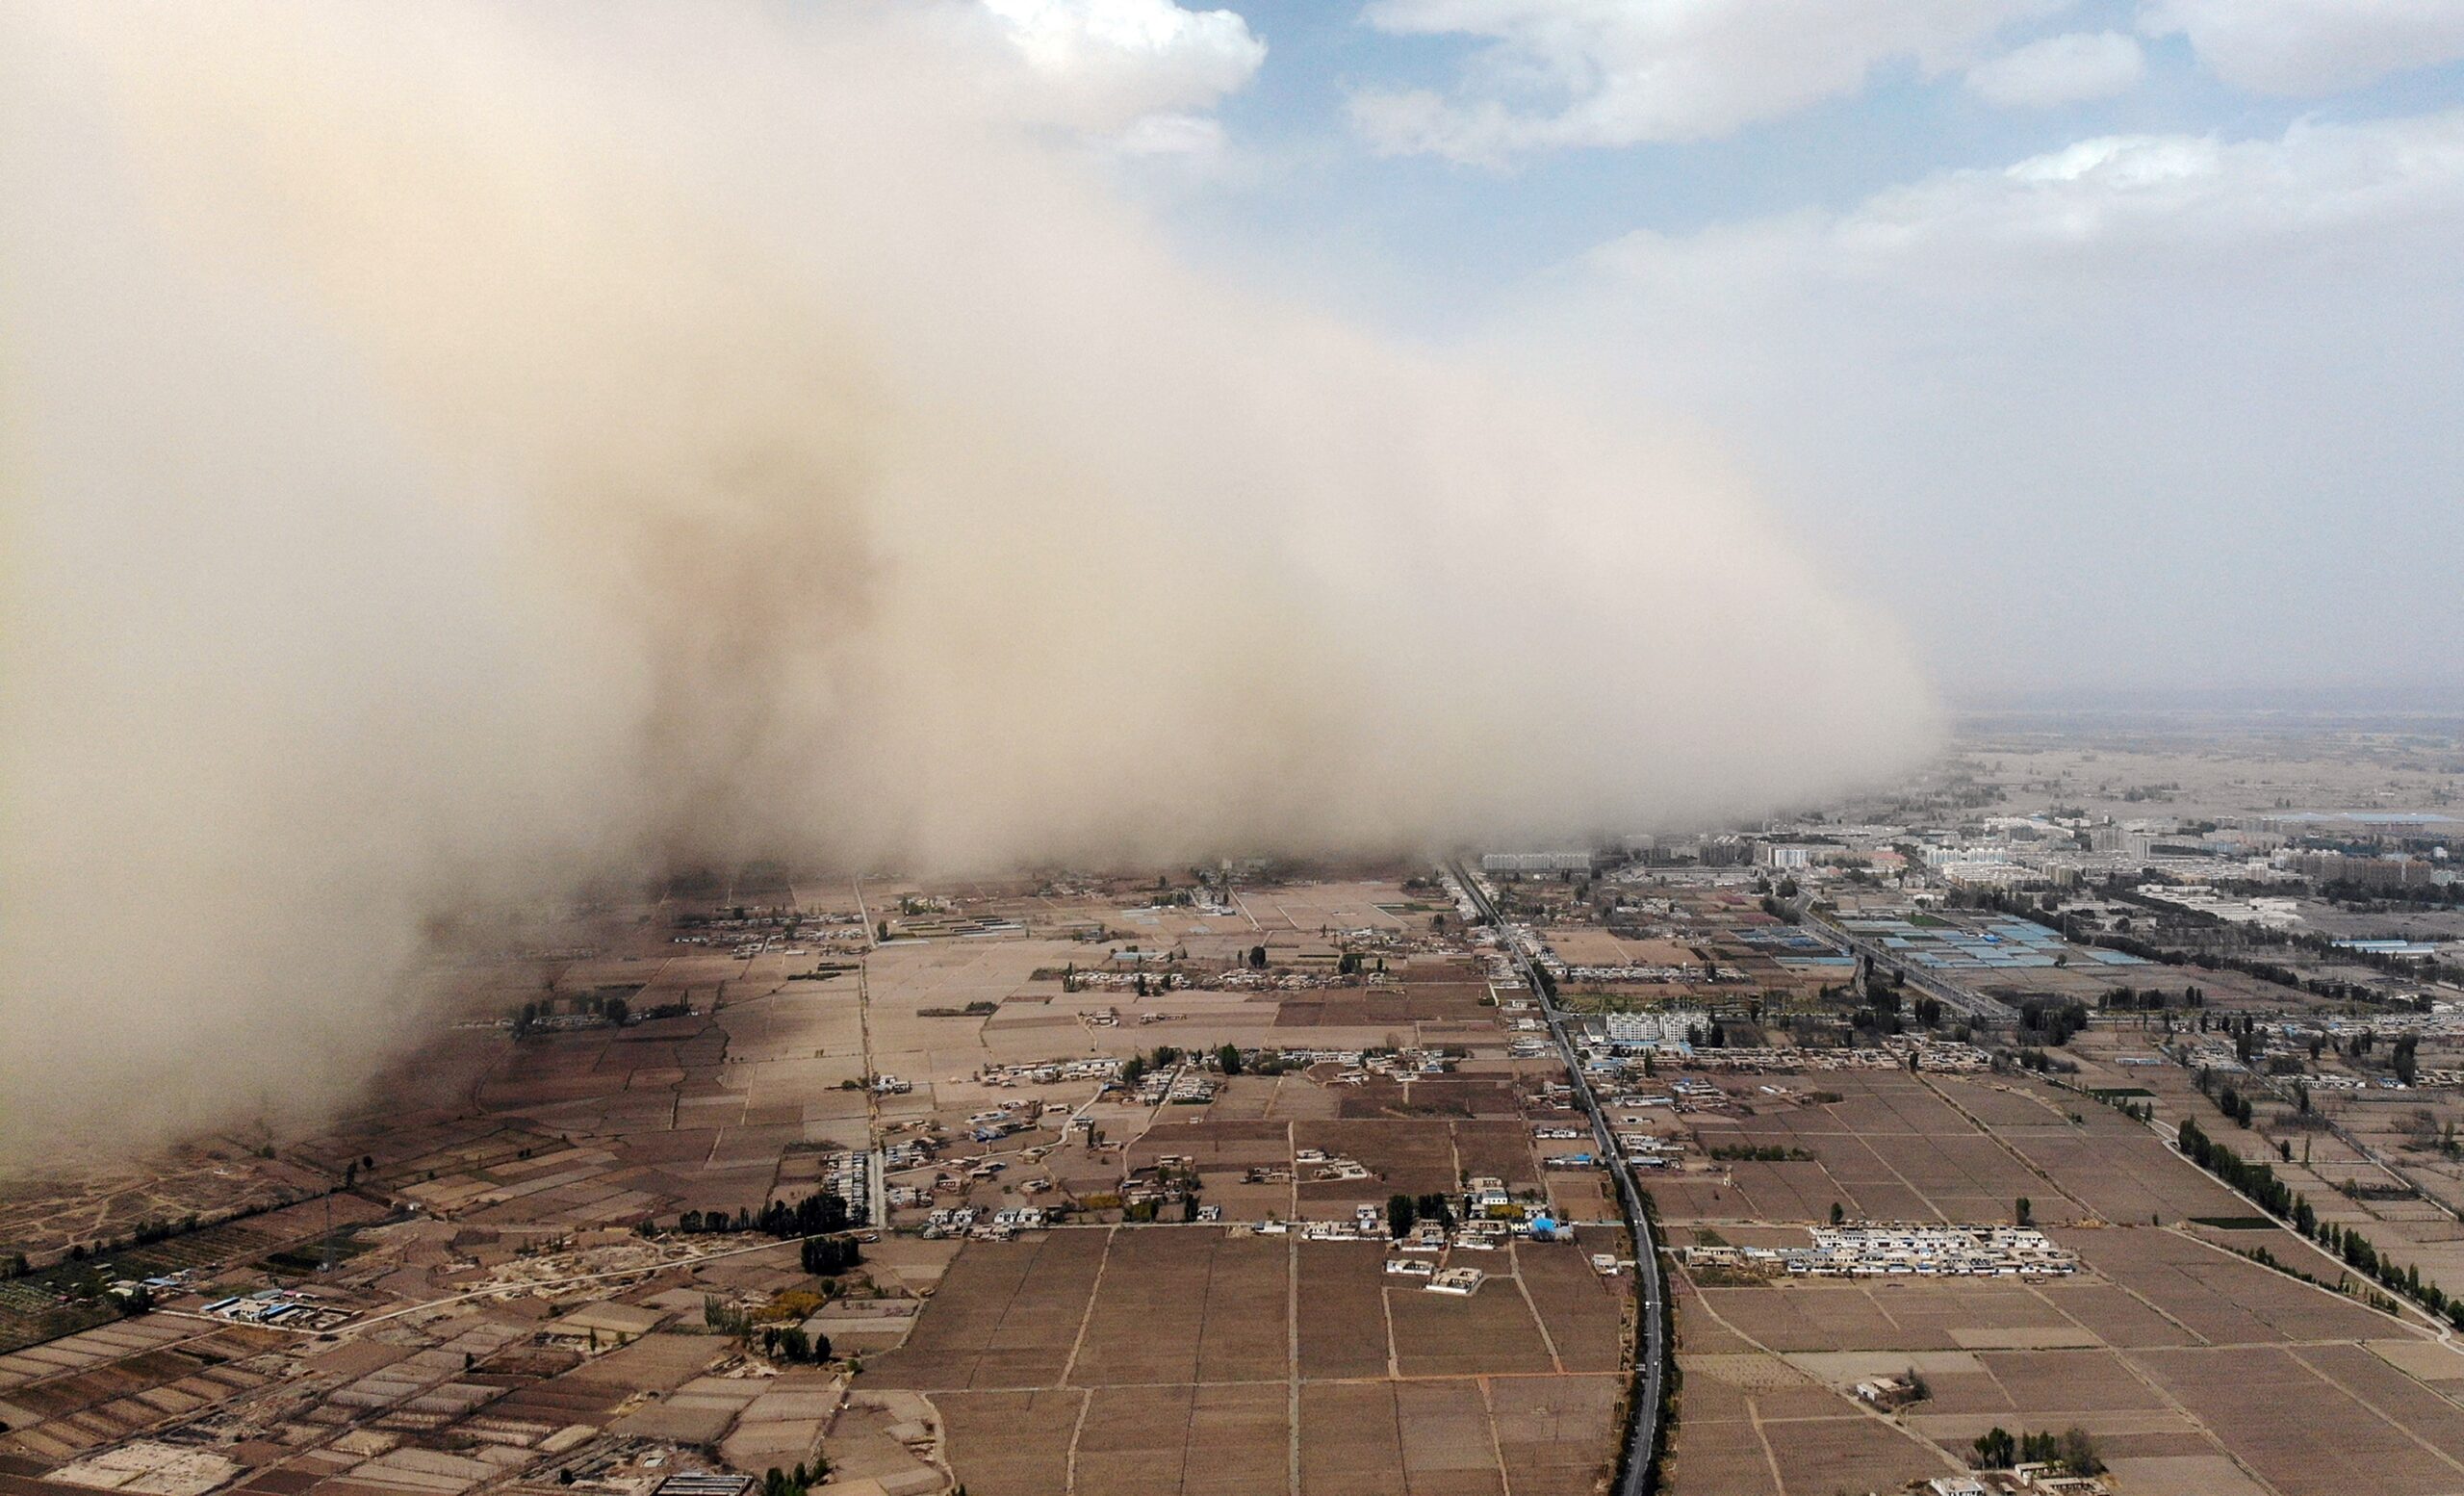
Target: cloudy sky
(2113,343)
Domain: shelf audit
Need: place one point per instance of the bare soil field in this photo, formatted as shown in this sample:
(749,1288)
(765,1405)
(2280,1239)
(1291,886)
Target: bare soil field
(1192,1345)
(2179,1356)
(1007,1314)
(1950,1149)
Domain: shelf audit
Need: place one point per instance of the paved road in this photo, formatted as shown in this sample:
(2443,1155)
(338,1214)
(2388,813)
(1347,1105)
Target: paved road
(1642,1438)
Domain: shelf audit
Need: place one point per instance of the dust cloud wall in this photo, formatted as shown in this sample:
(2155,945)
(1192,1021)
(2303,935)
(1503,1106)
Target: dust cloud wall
(457,453)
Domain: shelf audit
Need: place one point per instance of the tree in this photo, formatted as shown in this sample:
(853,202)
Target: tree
(1229,1057)
(827,1256)
(1996,1450)
(2077,1450)
(2026,1211)
(1400,1211)
(1838,1213)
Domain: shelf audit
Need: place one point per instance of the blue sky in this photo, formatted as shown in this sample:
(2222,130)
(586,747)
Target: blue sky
(2113,343)
(1472,230)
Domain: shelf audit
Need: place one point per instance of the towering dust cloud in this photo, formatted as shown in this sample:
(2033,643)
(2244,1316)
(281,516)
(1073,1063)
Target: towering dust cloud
(456,453)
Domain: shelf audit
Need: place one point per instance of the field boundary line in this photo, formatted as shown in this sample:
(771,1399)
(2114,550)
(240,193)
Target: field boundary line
(1077,1427)
(1525,1289)
(1292,1350)
(1489,1407)
(1087,1317)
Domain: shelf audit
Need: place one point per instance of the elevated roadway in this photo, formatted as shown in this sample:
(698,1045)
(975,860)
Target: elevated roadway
(1949,994)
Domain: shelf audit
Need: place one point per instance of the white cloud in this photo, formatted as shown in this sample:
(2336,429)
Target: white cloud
(2308,47)
(2172,388)
(1183,135)
(1560,73)
(1118,61)
(2127,204)
(2060,70)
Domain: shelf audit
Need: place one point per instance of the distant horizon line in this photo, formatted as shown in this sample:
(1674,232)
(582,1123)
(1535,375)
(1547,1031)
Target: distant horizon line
(2443,699)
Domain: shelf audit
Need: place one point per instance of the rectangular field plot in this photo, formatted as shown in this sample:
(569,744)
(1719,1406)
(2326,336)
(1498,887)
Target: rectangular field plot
(1179,1305)
(1349,1440)
(2065,1386)
(2218,1297)
(2127,1177)
(1016,1442)
(1343,1310)
(1007,1315)
(1449,1447)
(1492,1330)
(2302,1432)
(1171,1359)
(1583,1312)
(1218,1441)
(1556,1435)
(1850,1453)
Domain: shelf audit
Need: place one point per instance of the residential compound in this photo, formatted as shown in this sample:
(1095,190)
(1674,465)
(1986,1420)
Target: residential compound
(1901,1250)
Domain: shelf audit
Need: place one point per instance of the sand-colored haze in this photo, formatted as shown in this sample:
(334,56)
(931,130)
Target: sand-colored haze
(457,453)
